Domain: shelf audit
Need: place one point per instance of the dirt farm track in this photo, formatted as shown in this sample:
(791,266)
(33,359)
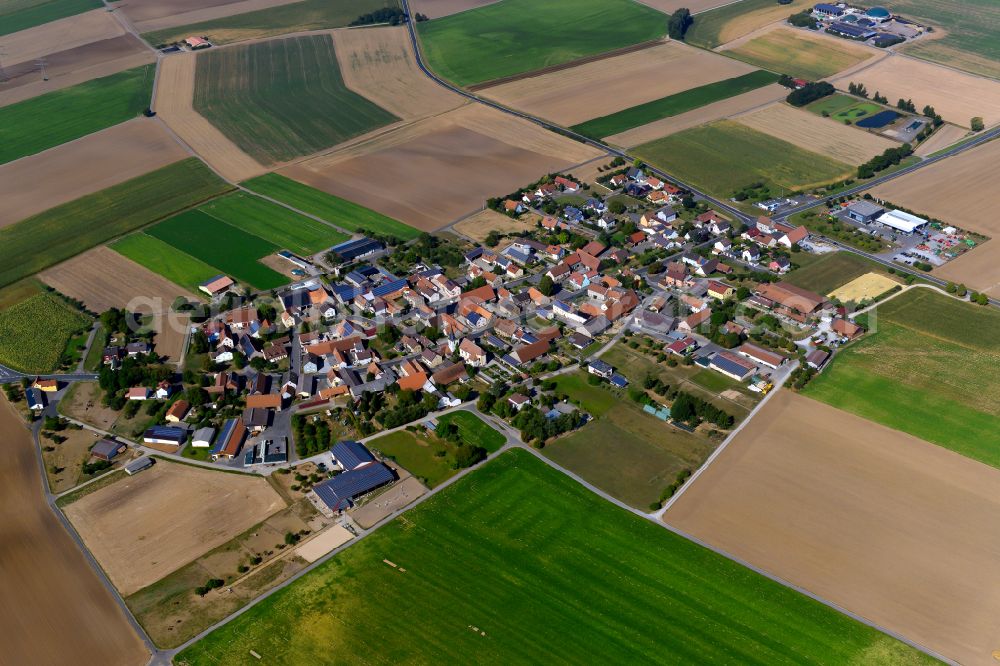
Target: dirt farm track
(141,528)
(890,527)
(54,609)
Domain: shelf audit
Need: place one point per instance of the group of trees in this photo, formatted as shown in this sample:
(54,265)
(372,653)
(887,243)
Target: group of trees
(466,453)
(311,437)
(809,93)
(390,15)
(134,371)
(428,249)
(536,428)
(891,157)
(408,408)
(804,19)
(679,22)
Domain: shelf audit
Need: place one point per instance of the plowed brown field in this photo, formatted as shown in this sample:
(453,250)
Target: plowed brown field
(55,609)
(160,15)
(67,33)
(439,8)
(143,527)
(378,64)
(570,96)
(899,531)
(174,92)
(432,172)
(94,162)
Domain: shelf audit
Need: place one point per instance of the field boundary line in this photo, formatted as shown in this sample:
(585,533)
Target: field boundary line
(658,515)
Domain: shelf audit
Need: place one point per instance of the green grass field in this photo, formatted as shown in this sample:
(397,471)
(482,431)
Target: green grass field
(724,156)
(824,273)
(341,212)
(796,53)
(216,243)
(426,458)
(929,369)
(279,20)
(274,223)
(283,98)
(593,399)
(59,233)
(516,36)
(709,27)
(474,430)
(18,15)
(972,41)
(178,267)
(34,332)
(844,107)
(552,594)
(674,104)
(52,119)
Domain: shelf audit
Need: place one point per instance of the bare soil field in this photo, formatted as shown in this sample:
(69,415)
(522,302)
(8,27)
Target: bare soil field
(143,527)
(706,114)
(567,97)
(897,530)
(956,96)
(55,610)
(83,403)
(97,161)
(323,543)
(865,286)
(64,463)
(72,66)
(432,172)
(174,93)
(403,493)
(187,13)
(147,10)
(811,132)
(171,332)
(438,8)
(68,33)
(378,63)
(103,279)
(979,269)
(945,136)
(478,226)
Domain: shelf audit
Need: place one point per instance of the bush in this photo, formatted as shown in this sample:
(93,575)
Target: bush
(809,93)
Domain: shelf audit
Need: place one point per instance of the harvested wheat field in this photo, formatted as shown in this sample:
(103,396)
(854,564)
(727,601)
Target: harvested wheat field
(55,608)
(811,132)
(706,114)
(899,531)
(438,8)
(103,279)
(163,15)
(956,96)
(479,226)
(742,24)
(174,94)
(568,96)
(432,172)
(142,527)
(810,55)
(863,287)
(97,161)
(378,63)
(945,136)
(979,269)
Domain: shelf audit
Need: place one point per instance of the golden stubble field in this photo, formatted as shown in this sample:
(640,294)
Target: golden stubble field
(174,94)
(897,530)
(811,132)
(571,96)
(438,8)
(378,63)
(97,161)
(143,527)
(432,172)
(956,96)
(709,113)
(863,287)
(55,609)
(151,15)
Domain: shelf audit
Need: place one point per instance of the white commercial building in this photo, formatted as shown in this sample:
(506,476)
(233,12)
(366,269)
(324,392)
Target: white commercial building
(901,221)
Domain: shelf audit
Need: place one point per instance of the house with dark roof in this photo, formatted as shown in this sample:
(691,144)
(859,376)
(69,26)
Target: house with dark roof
(350,454)
(340,492)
